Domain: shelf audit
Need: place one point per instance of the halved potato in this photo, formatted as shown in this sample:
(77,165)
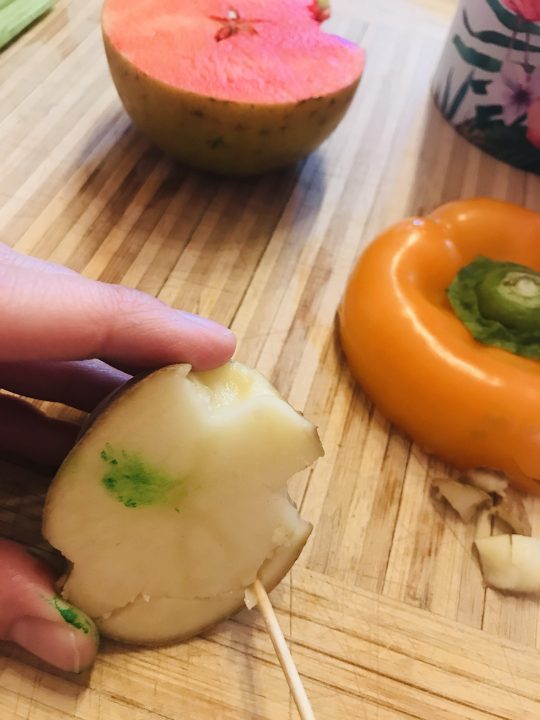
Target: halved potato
(175,500)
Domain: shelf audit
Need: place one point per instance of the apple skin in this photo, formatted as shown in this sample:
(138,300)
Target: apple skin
(77,528)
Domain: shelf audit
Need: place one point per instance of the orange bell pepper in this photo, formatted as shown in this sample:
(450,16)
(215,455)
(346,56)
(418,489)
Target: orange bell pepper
(471,404)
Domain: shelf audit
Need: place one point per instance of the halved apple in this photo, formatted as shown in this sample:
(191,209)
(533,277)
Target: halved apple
(175,500)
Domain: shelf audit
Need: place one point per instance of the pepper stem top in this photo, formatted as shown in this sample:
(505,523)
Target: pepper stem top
(499,302)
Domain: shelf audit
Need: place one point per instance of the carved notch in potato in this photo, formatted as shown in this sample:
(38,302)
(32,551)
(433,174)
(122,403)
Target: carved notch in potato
(175,500)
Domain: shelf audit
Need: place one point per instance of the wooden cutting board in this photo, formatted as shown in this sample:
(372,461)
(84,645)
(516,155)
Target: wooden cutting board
(385,611)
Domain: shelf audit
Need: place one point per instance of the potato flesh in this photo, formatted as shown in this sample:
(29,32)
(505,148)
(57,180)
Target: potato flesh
(218,447)
(190,616)
(510,562)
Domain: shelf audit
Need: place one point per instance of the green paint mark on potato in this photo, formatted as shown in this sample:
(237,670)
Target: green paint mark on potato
(135,483)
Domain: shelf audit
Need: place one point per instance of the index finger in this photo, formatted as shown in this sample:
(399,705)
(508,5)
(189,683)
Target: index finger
(64,316)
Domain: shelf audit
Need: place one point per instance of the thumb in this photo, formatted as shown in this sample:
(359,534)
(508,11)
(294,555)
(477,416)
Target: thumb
(36,618)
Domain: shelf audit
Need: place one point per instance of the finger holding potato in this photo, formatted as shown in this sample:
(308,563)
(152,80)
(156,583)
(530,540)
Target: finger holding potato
(66,338)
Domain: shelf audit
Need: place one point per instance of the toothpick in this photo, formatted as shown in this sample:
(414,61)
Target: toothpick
(282,651)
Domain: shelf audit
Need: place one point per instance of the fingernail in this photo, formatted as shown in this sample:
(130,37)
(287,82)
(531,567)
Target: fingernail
(215,327)
(56,643)
(73,616)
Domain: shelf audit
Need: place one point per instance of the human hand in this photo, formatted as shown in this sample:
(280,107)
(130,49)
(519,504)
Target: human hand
(69,339)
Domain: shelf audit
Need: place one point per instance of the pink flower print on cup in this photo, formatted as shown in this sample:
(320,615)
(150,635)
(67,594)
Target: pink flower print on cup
(487,83)
(515,89)
(527,9)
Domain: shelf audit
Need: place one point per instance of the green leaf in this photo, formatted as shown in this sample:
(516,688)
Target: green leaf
(459,97)
(479,87)
(499,303)
(443,102)
(499,39)
(16,15)
(511,21)
(486,113)
(475,58)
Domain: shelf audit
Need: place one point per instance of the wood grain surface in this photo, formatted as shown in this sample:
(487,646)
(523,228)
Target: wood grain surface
(385,611)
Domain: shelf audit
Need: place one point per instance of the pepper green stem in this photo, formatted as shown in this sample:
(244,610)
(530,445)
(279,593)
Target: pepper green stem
(499,303)
(511,297)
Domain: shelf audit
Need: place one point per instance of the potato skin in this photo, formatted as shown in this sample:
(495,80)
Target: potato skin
(224,137)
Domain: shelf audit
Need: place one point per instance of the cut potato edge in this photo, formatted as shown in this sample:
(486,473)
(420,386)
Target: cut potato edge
(125,624)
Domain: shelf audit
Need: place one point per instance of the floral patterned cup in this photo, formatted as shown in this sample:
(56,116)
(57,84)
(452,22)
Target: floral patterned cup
(487,83)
